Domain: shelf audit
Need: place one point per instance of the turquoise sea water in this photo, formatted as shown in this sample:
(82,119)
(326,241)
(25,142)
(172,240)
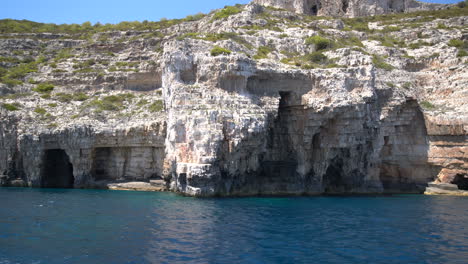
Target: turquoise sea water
(90,226)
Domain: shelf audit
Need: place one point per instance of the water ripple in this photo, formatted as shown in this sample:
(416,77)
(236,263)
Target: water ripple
(87,226)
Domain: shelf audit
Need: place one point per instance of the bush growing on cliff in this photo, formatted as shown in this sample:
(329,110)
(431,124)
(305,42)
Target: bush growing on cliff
(262,52)
(317,57)
(40,111)
(458,43)
(461,45)
(227,11)
(112,102)
(157,106)
(217,50)
(462,53)
(13,76)
(66,97)
(427,105)
(320,43)
(44,88)
(379,62)
(11,107)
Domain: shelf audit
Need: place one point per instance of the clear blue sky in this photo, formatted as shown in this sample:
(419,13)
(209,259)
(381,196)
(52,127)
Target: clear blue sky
(113,11)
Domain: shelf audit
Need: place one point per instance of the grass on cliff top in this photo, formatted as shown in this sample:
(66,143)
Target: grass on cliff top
(26,26)
(227,11)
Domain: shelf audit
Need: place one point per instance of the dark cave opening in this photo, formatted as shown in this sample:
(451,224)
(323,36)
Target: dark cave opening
(285,99)
(189,76)
(345,5)
(183,178)
(333,178)
(461,181)
(101,165)
(57,171)
(314,10)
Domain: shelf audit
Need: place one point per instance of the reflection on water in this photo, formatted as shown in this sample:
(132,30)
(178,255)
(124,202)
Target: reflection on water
(87,226)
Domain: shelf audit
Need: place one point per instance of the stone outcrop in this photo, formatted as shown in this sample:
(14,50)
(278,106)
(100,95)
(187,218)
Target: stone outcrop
(377,111)
(350,8)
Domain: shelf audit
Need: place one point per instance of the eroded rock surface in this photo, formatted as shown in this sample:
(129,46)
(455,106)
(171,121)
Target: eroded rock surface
(350,8)
(380,109)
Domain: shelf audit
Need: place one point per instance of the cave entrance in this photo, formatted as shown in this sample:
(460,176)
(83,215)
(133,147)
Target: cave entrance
(314,10)
(102,167)
(57,171)
(285,99)
(461,181)
(345,5)
(333,178)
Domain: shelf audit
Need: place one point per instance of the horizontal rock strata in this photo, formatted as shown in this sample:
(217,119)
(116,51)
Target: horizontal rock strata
(260,102)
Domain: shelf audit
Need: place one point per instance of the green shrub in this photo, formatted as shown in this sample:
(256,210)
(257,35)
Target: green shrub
(262,52)
(220,51)
(441,26)
(142,102)
(419,44)
(40,110)
(80,97)
(12,76)
(388,41)
(462,53)
(84,64)
(157,106)
(391,29)
(457,43)
(317,57)
(407,85)
(352,41)
(358,24)
(44,88)
(11,107)
(112,102)
(427,105)
(52,125)
(379,62)
(11,82)
(320,43)
(195,17)
(227,11)
(63,55)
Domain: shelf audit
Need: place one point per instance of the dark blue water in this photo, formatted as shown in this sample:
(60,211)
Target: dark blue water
(88,226)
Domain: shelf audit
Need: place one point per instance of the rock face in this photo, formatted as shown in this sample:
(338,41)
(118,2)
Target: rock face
(350,8)
(375,110)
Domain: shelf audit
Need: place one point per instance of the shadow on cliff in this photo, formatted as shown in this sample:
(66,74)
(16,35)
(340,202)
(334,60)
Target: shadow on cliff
(347,153)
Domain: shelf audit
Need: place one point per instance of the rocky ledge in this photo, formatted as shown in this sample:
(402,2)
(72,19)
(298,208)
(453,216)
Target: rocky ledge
(247,100)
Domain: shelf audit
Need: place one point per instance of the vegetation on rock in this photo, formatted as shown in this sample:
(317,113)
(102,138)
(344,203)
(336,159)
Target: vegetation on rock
(217,50)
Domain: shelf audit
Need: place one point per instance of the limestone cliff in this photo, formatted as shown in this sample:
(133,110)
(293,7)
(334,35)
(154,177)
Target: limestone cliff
(248,100)
(350,8)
